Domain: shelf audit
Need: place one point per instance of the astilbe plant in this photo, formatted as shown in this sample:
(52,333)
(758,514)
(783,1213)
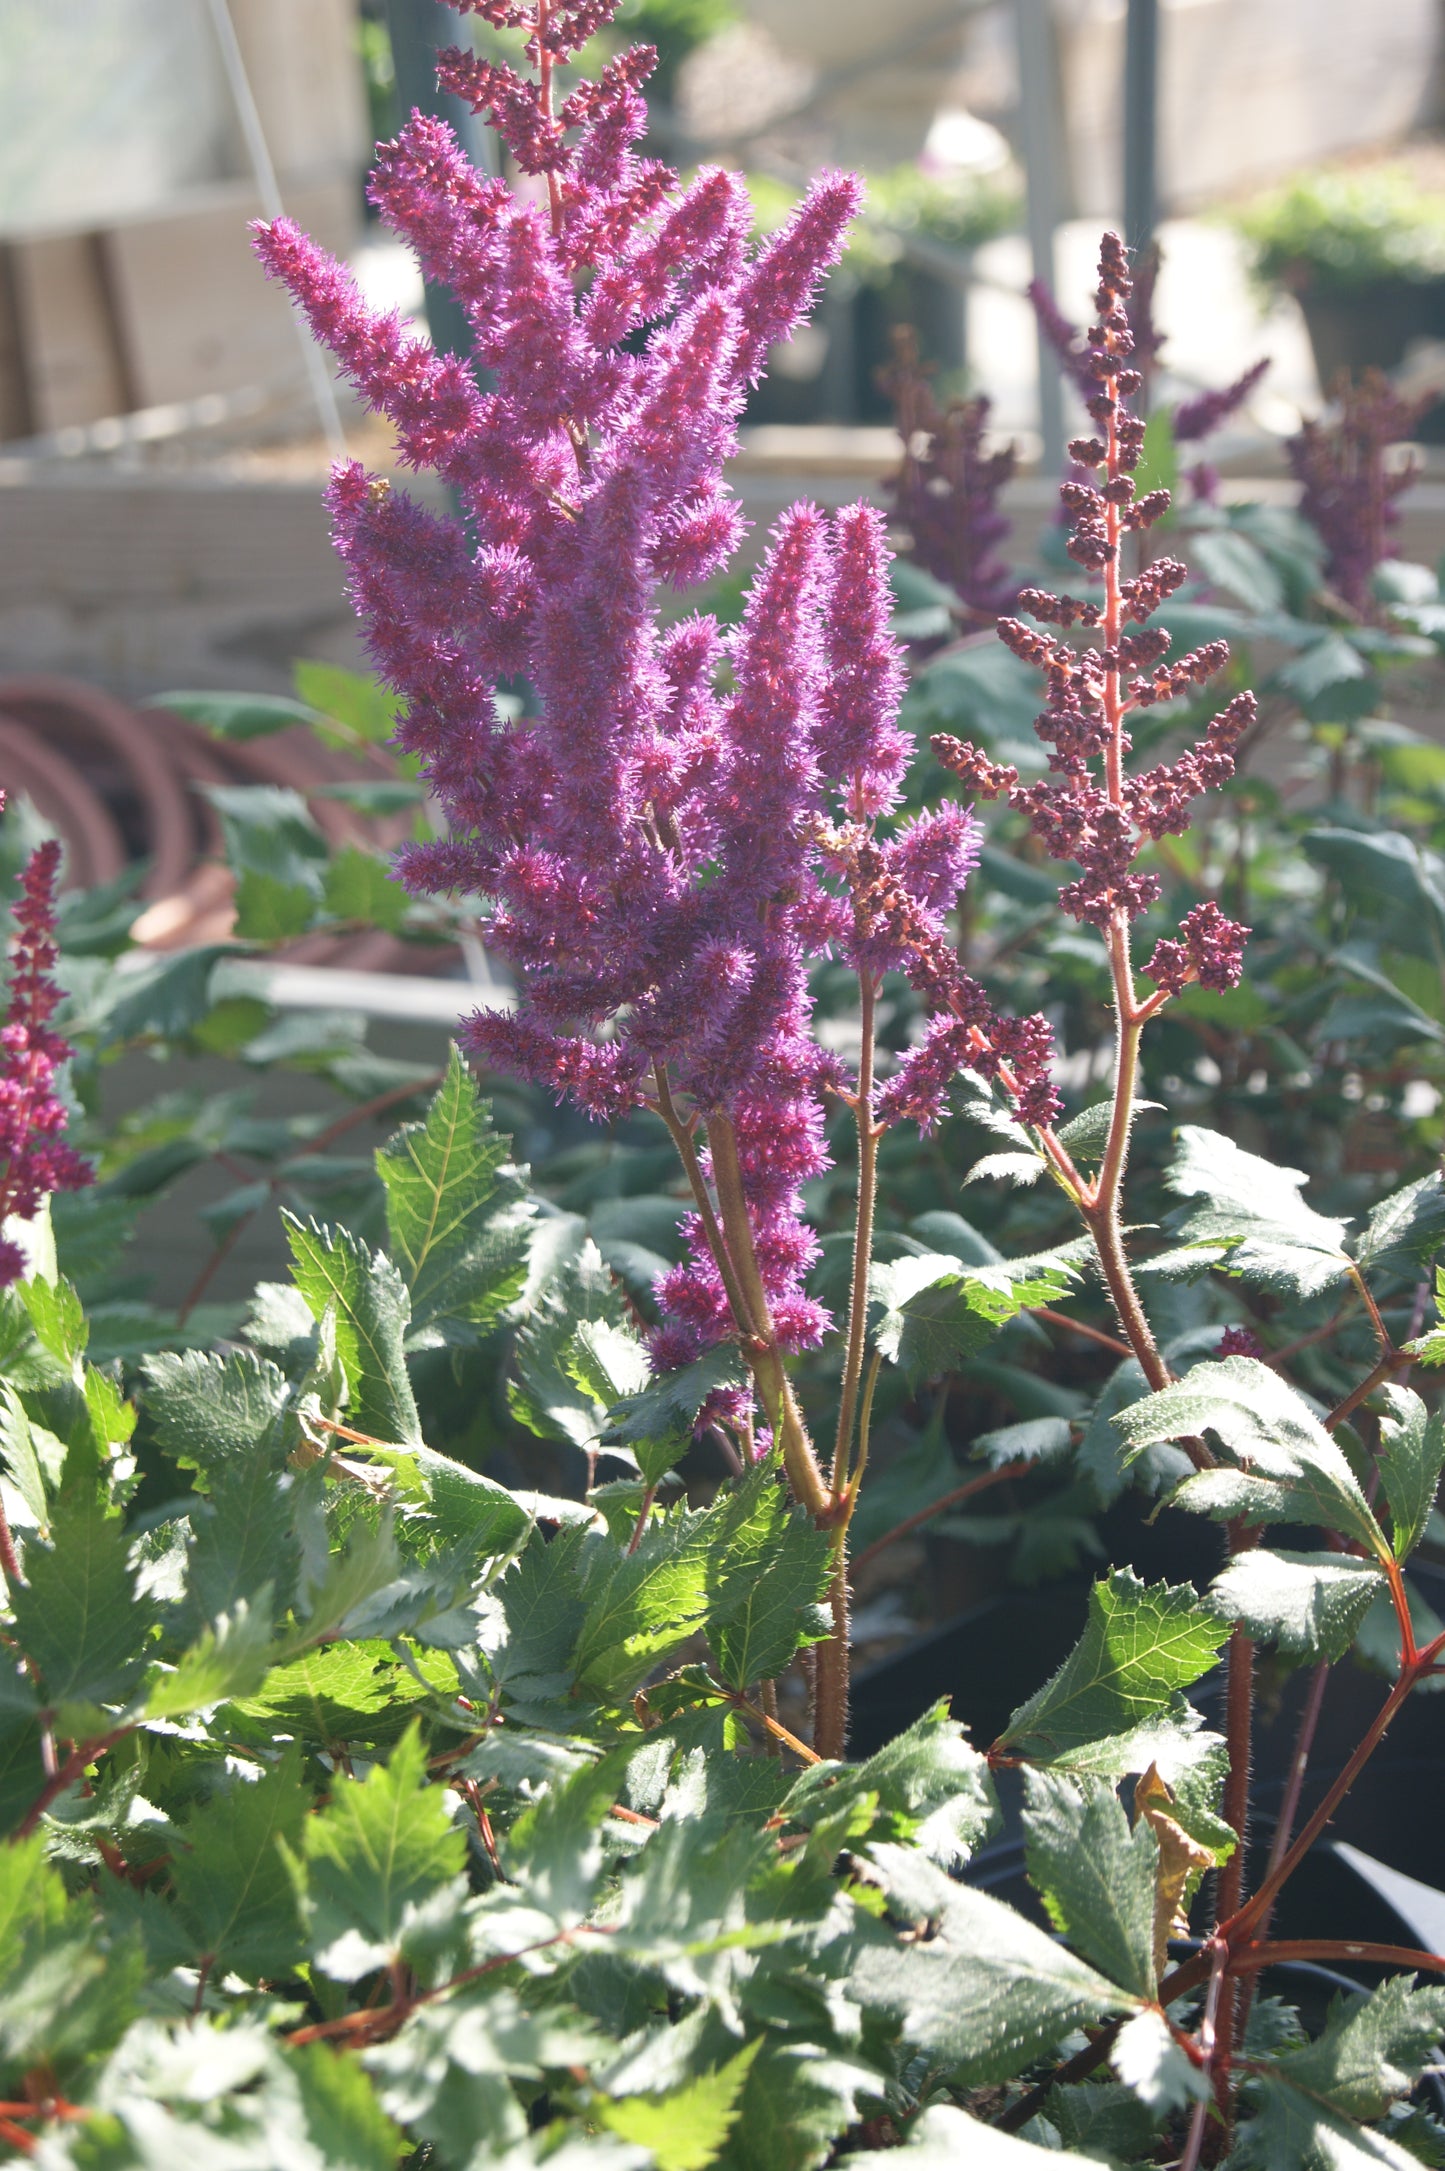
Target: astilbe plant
(1349,488)
(666,857)
(947,489)
(550,1905)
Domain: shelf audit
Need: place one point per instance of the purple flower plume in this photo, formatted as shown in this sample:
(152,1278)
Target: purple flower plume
(650,834)
(1348,492)
(34,1157)
(947,489)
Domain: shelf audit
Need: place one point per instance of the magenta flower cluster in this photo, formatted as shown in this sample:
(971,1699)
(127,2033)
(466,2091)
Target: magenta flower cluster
(34,1156)
(649,834)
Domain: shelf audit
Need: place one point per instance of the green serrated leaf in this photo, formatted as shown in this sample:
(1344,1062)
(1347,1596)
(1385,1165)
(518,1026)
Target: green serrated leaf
(768,1570)
(229,1659)
(58,1317)
(1412,1454)
(359,886)
(645,1602)
(668,1404)
(985,1993)
(31,1456)
(1288,1467)
(269,910)
(372,1309)
(929,1786)
(686,2128)
(1370,2053)
(932,1312)
(66,1996)
(1087,1135)
(1406,1229)
(1095,1875)
(607,1362)
(457,1223)
(77,1616)
(243,1540)
(211,1412)
(359,703)
(269,832)
(340,1693)
(345,2124)
(373,1854)
(1254,1212)
(1141,1644)
(1309,1604)
(233,1894)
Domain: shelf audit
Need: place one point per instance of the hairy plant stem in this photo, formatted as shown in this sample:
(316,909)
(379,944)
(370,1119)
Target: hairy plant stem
(1208,2042)
(774,1387)
(868,1137)
(682,1137)
(775,1390)
(1288,1811)
(1238,1729)
(1255,1910)
(729,1235)
(9,1558)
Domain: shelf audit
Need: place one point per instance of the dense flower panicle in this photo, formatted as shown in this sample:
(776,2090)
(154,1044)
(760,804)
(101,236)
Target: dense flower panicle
(34,1157)
(857,738)
(643,834)
(947,489)
(1240,1342)
(1349,492)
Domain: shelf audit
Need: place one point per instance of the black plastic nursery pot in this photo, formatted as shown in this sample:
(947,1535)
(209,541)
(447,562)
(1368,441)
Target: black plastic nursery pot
(1373,327)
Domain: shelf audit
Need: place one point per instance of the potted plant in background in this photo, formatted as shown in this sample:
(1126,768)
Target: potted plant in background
(1364,256)
(907,263)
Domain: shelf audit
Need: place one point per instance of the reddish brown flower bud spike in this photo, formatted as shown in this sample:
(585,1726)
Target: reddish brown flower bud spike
(985,779)
(1212,952)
